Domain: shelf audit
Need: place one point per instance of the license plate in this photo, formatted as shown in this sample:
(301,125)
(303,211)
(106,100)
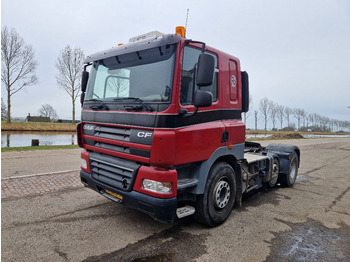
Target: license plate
(114,194)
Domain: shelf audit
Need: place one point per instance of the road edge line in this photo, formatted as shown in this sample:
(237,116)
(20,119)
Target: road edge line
(40,174)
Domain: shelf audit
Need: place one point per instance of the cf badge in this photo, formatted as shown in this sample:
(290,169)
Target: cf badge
(144,134)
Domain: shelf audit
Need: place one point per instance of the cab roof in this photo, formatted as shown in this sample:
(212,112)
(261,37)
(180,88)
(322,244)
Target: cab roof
(159,40)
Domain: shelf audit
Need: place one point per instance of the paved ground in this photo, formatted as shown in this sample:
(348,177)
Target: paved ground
(31,185)
(67,222)
(39,162)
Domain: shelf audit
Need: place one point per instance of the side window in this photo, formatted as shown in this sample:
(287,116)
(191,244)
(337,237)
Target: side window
(100,77)
(189,62)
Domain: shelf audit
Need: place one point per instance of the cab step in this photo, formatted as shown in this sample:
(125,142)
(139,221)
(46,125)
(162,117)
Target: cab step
(185,211)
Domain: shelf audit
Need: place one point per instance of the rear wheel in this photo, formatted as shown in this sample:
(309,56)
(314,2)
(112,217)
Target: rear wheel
(288,179)
(274,172)
(215,205)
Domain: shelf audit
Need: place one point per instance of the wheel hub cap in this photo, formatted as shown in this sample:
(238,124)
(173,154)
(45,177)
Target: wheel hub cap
(293,171)
(222,194)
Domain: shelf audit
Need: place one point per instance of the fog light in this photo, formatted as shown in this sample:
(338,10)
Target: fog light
(155,186)
(83,163)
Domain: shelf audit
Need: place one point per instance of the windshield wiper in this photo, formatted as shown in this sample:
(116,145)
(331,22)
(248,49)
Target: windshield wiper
(148,108)
(100,106)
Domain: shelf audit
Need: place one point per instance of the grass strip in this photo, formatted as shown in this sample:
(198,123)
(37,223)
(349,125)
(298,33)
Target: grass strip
(34,126)
(28,148)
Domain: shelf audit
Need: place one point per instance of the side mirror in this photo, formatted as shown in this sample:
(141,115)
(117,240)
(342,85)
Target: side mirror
(202,99)
(82,96)
(245,91)
(205,70)
(84,80)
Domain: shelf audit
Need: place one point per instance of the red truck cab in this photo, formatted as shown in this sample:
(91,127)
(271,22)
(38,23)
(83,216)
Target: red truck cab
(161,127)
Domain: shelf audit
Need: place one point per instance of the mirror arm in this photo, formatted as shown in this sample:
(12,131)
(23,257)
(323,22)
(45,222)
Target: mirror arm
(184,112)
(196,42)
(86,65)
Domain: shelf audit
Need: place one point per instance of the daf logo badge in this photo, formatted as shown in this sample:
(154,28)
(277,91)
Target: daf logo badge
(89,127)
(233,81)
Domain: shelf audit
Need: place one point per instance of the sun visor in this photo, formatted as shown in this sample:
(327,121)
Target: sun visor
(148,43)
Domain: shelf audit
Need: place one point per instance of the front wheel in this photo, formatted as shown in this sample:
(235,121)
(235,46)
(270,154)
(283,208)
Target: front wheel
(215,205)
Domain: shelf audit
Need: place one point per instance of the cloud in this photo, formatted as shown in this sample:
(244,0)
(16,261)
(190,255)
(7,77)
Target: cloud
(297,53)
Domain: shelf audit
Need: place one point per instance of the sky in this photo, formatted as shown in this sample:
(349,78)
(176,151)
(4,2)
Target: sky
(296,52)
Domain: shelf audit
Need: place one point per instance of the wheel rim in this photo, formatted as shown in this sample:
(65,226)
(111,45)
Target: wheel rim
(275,171)
(222,194)
(293,171)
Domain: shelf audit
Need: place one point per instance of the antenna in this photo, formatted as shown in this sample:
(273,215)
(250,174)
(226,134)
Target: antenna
(188,10)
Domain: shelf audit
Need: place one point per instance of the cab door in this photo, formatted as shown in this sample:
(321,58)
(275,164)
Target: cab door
(234,128)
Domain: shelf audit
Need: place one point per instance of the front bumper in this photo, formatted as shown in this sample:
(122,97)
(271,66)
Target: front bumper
(163,210)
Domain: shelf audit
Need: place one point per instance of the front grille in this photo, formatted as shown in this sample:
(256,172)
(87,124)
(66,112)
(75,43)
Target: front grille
(113,171)
(114,133)
(122,149)
(118,141)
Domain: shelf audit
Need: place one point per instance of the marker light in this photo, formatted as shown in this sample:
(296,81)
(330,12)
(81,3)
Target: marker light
(180,30)
(158,187)
(120,44)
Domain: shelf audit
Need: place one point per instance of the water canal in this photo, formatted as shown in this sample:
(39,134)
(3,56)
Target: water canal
(19,139)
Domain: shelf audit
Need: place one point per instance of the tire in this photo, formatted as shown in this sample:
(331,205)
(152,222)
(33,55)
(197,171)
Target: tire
(215,205)
(288,180)
(275,172)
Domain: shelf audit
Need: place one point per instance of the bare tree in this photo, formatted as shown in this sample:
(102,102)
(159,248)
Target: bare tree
(287,112)
(18,64)
(3,110)
(309,120)
(256,119)
(69,65)
(265,110)
(298,114)
(344,125)
(313,120)
(280,114)
(324,121)
(303,116)
(118,85)
(273,113)
(337,125)
(317,120)
(333,124)
(48,111)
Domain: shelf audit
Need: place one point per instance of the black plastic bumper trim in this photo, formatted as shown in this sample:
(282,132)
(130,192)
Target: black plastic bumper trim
(163,210)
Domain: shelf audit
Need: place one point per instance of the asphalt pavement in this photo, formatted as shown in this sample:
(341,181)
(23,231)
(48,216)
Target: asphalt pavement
(24,163)
(308,222)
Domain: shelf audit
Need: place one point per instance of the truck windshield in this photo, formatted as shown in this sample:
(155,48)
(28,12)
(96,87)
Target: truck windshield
(147,75)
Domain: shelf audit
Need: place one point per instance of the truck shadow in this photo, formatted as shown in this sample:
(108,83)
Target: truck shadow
(265,194)
(173,242)
(261,196)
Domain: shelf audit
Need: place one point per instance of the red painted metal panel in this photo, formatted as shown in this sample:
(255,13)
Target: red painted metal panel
(118,154)
(163,148)
(118,143)
(156,174)
(198,143)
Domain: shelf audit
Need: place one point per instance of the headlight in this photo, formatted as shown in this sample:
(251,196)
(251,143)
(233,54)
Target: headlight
(155,186)
(83,163)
